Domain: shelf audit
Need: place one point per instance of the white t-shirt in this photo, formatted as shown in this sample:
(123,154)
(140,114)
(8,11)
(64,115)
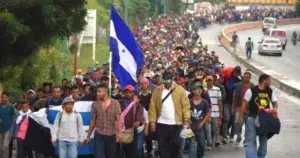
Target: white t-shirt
(167,114)
(146,120)
(248,96)
(214,95)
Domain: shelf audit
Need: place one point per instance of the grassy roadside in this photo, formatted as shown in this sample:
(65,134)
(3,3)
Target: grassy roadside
(102,49)
(86,53)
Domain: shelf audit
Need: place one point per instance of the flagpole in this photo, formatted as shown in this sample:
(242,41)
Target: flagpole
(110,73)
(110,63)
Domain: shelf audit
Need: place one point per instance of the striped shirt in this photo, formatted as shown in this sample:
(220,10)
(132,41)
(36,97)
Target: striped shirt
(214,95)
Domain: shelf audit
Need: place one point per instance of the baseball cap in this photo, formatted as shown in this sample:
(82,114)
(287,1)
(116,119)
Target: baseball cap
(68,100)
(180,80)
(129,88)
(30,91)
(167,77)
(195,86)
(209,78)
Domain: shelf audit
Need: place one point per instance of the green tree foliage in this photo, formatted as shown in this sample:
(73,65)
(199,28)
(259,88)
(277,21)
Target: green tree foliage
(139,10)
(27,25)
(175,6)
(41,67)
(297,7)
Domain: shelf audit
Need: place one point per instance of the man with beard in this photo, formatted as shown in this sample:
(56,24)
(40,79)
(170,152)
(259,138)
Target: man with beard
(169,112)
(105,115)
(258,98)
(238,95)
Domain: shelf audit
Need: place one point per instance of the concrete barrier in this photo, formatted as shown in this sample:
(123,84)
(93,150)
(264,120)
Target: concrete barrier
(226,42)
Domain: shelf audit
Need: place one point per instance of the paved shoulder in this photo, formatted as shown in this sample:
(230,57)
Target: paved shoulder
(284,145)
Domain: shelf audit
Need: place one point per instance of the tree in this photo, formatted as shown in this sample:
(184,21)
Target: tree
(297,7)
(139,9)
(176,6)
(27,25)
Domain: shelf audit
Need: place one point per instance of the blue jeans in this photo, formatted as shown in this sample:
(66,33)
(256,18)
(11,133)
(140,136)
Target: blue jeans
(208,139)
(252,151)
(140,144)
(226,119)
(248,53)
(67,149)
(238,127)
(197,146)
(104,146)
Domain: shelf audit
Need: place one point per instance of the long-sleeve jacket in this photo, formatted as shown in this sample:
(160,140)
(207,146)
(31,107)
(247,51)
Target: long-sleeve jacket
(68,127)
(180,100)
(129,119)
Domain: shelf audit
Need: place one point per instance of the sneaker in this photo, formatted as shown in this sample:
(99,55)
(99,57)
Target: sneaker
(231,140)
(245,143)
(238,140)
(224,141)
(217,144)
(208,148)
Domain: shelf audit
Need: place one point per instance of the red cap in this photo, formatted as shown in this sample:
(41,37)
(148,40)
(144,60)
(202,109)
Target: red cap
(209,78)
(129,87)
(180,80)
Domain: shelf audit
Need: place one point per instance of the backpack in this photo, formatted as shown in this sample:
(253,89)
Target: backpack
(60,117)
(249,44)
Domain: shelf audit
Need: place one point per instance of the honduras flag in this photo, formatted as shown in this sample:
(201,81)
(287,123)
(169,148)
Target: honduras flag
(46,118)
(127,56)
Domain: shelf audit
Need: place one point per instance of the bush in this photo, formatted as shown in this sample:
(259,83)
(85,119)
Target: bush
(41,67)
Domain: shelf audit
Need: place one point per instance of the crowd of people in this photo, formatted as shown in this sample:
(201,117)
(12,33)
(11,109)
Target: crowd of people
(182,85)
(230,15)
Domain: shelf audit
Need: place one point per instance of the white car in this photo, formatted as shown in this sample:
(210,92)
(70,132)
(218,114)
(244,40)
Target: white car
(270,46)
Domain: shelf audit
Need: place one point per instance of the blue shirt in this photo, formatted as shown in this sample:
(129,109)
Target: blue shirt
(6,116)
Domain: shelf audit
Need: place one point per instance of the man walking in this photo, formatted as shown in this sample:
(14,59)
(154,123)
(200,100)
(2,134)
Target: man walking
(106,112)
(7,113)
(257,98)
(238,95)
(216,110)
(55,99)
(200,114)
(133,119)
(68,130)
(169,111)
(249,47)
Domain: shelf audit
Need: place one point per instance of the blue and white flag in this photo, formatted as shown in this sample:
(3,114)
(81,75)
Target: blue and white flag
(82,107)
(127,57)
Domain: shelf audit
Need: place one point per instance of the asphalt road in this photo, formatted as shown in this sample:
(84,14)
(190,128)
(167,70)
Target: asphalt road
(284,145)
(287,65)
